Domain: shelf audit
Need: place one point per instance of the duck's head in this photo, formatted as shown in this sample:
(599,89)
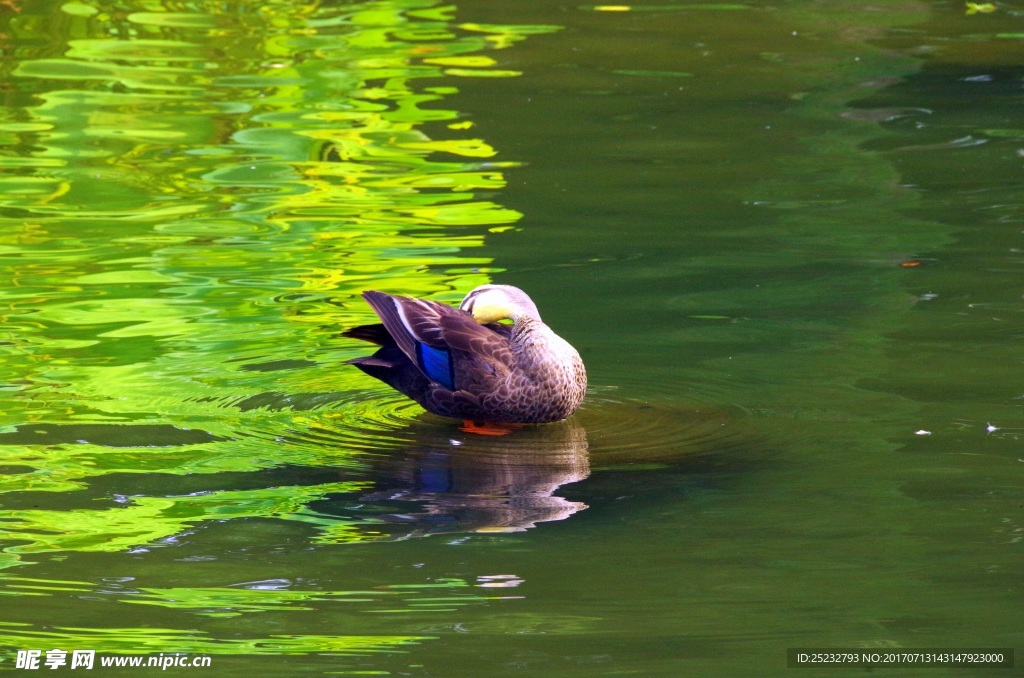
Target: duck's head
(491,303)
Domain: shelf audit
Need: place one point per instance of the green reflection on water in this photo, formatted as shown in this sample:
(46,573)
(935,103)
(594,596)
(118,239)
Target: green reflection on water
(145,520)
(154,640)
(193,200)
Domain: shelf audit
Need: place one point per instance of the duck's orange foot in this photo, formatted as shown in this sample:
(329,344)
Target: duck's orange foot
(487,428)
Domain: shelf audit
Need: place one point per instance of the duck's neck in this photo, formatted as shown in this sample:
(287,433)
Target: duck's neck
(520,315)
(529,332)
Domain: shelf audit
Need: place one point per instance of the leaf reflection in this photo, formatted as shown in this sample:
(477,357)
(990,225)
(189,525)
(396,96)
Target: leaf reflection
(193,193)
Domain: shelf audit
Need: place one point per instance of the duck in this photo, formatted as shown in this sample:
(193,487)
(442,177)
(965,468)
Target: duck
(465,363)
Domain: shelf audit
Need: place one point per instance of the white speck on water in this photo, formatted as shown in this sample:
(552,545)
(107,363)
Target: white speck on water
(499,581)
(990,428)
(922,432)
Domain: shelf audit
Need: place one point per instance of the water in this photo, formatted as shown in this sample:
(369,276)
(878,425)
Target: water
(785,239)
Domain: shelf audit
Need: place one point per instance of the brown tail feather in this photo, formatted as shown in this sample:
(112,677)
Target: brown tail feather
(375,334)
(372,361)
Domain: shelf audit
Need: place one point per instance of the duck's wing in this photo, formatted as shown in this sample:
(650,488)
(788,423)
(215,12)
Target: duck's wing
(408,321)
(480,354)
(447,345)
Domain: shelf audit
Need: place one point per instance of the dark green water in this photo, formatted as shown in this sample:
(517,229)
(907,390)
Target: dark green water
(786,238)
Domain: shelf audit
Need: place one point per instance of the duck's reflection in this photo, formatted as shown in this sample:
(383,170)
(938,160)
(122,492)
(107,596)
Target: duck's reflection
(466,482)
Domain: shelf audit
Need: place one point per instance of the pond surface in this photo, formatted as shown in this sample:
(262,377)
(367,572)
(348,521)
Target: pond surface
(786,238)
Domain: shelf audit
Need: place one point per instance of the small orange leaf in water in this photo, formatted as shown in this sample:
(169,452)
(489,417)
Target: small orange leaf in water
(913,263)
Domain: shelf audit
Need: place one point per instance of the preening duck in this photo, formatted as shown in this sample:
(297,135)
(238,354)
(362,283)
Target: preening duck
(463,363)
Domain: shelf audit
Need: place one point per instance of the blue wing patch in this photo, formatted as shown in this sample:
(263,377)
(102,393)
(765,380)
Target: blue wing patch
(436,363)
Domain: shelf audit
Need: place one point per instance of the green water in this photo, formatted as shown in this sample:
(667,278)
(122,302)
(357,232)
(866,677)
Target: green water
(785,237)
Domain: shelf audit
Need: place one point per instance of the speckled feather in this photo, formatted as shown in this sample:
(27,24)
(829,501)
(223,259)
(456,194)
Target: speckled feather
(519,374)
